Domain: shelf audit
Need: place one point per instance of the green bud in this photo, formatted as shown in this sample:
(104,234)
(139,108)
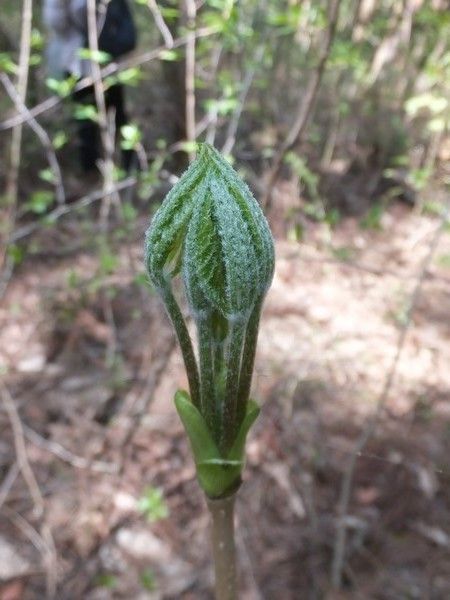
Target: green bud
(211,230)
(211,224)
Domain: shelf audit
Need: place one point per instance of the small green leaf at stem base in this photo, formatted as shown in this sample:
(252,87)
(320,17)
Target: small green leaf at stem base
(219,476)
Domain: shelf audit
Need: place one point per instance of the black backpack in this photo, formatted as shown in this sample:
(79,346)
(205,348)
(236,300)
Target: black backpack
(118,33)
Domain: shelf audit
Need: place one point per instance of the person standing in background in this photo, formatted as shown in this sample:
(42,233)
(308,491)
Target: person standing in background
(67,23)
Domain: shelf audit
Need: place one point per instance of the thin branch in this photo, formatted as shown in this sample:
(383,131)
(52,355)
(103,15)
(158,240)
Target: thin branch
(43,136)
(48,550)
(22,84)
(160,23)
(12,181)
(65,455)
(58,212)
(107,136)
(230,138)
(8,482)
(44,544)
(191,12)
(21,451)
(28,530)
(307,104)
(372,422)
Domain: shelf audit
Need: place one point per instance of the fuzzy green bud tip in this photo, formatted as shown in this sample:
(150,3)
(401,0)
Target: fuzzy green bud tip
(211,228)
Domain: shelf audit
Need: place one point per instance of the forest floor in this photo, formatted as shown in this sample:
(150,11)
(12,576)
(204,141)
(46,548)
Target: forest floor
(91,366)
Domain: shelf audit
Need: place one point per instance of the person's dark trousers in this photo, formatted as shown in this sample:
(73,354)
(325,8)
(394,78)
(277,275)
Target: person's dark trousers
(88,130)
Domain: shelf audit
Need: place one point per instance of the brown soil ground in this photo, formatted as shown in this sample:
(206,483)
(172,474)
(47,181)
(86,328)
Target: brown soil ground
(99,431)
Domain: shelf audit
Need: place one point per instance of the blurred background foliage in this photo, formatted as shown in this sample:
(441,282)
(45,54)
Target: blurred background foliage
(378,129)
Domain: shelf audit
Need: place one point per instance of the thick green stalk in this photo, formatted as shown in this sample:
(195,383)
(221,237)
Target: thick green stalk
(237,332)
(224,551)
(207,388)
(219,384)
(248,358)
(185,343)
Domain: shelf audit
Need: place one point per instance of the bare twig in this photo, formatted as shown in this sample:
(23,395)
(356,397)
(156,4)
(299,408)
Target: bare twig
(307,104)
(58,212)
(21,451)
(111,346)
(372,422)
(48,548)
(8,482)
(65,455)
(44,544)
(28,530)
(107,136)
(230,138)
(160,23)
(9,216)
(22,84)
(43,136)
(191,12)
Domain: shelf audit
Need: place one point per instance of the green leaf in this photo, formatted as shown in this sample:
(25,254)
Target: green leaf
(129,212)
(131,136)
(220,256)
(47,175)
(97,56)
(238,448)
(59,139)
(148,580)
(34,60)
(169,13)
(40,201)
(108,261)
(7,65)
(203,445)
(218,476)
(152,505)
(106,580)
(165,236)
(426,101)
(131,76)
(62,87)
(16,253)
(188,147)
(169,55)
(86,112)
(37,39)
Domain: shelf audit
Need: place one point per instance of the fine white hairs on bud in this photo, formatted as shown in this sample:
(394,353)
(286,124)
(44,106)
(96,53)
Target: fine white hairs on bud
(211,230)
(211,225)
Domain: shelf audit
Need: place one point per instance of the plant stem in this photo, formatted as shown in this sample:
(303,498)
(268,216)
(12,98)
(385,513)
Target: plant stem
(207,391)
(222,515)
(229,423)
(185,343)
(248,359)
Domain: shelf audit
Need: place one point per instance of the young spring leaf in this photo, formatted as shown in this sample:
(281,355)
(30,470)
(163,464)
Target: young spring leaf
(211,221)
(211,230)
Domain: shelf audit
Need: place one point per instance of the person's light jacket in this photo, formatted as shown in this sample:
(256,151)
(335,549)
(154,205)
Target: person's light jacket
(66,21)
